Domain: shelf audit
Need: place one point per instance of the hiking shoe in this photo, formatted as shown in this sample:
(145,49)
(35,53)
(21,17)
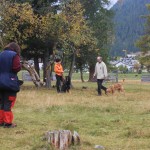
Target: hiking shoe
(13,125)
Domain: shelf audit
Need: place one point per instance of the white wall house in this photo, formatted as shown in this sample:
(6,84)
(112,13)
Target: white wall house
(128,62)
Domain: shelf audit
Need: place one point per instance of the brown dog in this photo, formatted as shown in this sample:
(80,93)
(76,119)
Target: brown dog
(115,87)
(110,89)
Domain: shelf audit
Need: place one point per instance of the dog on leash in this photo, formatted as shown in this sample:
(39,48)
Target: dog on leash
(66,84)
(115,87)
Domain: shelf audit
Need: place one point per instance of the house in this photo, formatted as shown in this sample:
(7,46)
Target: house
(129,61)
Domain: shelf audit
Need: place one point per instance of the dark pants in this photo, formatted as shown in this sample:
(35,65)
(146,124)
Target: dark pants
(58,83)
(7,101)
(100,86)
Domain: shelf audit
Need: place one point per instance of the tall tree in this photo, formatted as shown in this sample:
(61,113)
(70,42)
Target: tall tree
(17,22)
(34,32)
(144,43)
(99,19)
(77,32)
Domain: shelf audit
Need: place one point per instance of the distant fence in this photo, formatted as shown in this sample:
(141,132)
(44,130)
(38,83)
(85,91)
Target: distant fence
(26,76)
(112,77)
(145,78)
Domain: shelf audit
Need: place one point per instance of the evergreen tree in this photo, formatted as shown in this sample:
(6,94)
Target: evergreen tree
(144,43)
(128,25)
(100,20)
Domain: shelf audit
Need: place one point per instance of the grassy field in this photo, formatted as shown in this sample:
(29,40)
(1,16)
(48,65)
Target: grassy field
(119,122)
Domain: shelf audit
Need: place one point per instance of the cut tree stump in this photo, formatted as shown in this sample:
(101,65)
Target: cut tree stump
(62,139)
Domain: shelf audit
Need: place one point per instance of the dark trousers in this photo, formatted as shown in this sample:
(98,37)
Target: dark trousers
(100,86)
(7,101)
(59,79)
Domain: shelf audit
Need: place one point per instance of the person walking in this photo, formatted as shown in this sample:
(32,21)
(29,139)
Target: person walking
(58,69)
(9,84)
(101,74)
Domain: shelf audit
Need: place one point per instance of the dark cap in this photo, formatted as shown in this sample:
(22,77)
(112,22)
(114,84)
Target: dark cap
(57,59)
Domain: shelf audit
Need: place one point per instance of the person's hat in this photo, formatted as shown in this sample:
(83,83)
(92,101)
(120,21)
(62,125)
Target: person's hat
(57,59)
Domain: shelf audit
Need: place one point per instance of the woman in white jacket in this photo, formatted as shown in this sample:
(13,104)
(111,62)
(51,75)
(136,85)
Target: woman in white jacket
(101,74)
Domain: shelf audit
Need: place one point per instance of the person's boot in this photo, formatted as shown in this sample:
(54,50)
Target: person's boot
(12,125)
(99,94)
(8,118)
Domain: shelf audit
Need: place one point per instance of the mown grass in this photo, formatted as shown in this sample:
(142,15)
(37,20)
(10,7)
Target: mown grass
(119,122)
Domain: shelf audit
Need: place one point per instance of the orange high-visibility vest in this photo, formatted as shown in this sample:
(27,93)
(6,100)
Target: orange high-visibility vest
(58,69)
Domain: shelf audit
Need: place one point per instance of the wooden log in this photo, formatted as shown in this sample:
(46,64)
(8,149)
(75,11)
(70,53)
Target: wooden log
(76,138)
(62,139)
(47,137)
(56,138)
(69,137)
(52,138)
(34,75)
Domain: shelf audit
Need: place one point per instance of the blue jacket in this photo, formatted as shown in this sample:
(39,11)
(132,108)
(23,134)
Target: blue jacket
(8,79)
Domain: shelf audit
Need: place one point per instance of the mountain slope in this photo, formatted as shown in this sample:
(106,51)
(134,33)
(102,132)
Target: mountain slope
(129,24)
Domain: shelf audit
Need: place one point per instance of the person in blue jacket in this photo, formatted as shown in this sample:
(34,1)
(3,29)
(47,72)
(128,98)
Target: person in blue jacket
(9,85)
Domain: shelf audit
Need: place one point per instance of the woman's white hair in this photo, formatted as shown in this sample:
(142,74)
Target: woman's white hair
(99,57)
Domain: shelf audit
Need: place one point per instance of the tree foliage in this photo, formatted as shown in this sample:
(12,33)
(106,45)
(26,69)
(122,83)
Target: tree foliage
(144,43)
(77,32)
(17,22)
(99,19)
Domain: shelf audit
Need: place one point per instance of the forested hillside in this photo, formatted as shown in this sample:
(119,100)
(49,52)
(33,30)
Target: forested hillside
(128,24)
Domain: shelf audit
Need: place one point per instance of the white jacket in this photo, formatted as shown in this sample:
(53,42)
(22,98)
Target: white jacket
(100,70)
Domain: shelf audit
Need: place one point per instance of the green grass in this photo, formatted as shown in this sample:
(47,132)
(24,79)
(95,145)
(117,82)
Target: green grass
(118,122)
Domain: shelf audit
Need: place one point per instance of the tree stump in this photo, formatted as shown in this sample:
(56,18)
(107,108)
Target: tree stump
(62,139)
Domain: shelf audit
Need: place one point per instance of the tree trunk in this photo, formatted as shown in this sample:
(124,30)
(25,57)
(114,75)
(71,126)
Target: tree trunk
(51,71)
(81,73)
(46,69)
(72,66)
(72,69)
(36,65)
(91,72)
(35,77)
(48,78)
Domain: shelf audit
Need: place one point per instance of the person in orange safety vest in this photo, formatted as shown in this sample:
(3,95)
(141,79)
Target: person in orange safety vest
(58,69)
